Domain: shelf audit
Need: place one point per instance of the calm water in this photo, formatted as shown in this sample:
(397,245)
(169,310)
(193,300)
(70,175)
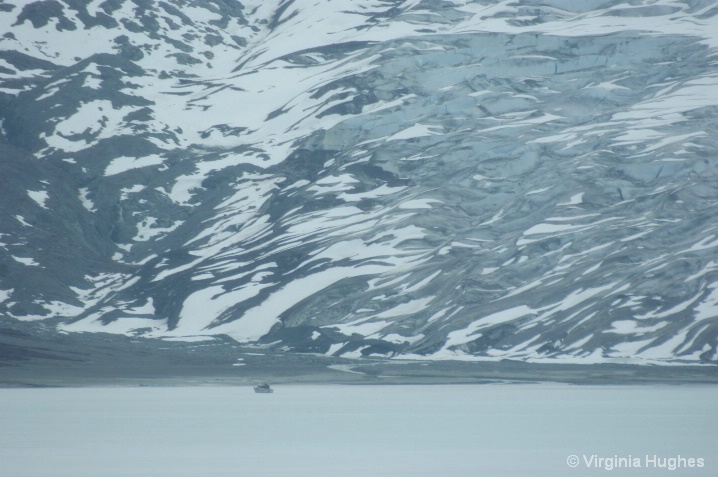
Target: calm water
(346,431)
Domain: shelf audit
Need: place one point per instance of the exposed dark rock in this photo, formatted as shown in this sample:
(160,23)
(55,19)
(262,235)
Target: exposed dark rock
(423,181)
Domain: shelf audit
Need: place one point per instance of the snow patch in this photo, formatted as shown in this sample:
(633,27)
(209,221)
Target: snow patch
(26,261)
(122,164)
(415,131)
(85,200)
(5,295)
(40,197)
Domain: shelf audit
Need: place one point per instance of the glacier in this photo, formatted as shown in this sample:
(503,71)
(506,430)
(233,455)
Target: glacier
(532,180)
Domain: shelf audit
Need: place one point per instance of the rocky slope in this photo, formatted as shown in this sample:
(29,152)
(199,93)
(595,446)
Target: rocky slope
(424,179)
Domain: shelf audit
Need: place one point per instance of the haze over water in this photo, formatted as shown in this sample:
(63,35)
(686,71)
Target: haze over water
(334,430)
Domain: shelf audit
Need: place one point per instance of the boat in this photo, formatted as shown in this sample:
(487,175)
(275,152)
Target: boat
(263,388)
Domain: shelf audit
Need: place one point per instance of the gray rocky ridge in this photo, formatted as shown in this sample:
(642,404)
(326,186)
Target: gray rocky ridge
(427,179)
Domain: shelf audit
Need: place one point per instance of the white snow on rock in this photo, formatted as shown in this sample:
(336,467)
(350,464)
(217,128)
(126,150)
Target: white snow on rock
(124,164)
(496,180)
(40,197)
(5,295)
(30,262)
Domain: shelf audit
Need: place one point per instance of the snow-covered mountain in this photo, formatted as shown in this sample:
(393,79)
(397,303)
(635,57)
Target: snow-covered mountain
(428,179)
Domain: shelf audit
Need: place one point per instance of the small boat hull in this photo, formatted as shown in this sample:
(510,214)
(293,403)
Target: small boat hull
(263,389)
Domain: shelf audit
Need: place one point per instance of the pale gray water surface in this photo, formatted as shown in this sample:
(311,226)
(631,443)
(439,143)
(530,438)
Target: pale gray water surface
(334,430)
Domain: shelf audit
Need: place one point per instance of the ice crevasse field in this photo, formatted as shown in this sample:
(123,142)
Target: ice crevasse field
(359,430)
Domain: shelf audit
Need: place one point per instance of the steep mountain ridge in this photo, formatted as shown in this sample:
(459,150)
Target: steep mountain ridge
(421,179)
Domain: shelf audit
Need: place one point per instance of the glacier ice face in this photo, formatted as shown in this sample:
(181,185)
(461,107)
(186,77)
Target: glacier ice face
(426,179)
